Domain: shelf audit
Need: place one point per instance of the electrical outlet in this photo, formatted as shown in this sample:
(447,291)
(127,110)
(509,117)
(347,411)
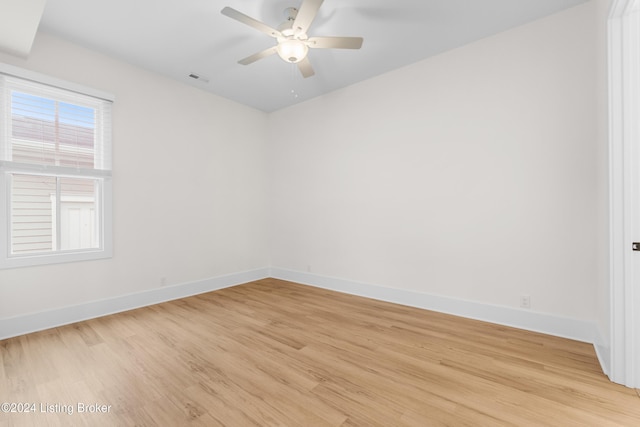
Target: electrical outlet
(163,281)
(525,301)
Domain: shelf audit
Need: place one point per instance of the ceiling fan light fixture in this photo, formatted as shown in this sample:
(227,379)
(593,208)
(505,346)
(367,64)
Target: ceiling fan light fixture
(292,50)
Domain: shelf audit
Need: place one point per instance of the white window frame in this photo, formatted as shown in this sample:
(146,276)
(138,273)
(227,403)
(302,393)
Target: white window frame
(7,168)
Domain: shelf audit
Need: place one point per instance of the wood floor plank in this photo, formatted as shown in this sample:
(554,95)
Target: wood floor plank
(275,353)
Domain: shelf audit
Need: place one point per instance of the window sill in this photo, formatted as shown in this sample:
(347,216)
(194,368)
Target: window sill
(54,258)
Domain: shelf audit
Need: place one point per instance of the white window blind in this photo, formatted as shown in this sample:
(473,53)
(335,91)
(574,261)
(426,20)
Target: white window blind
(48,126)
(55,172)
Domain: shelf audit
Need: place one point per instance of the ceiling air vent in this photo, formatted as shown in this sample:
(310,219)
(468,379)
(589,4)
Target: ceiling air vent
(199,77)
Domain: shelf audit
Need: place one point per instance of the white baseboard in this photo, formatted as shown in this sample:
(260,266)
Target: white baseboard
(603,352)
(24,324)
(579,330)
(550,324)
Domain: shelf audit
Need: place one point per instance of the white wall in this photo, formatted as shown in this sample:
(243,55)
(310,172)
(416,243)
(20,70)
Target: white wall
(189,186)
(470,175)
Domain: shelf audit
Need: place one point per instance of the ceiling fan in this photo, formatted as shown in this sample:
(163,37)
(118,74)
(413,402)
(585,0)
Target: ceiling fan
(293,41)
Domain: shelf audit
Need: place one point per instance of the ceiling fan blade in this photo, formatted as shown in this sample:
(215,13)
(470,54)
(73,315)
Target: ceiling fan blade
(305,68)
(335,42)
(306,15)
(256,56)
(241,17)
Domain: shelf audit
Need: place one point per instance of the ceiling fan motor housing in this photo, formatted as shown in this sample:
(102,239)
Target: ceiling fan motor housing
(290,13)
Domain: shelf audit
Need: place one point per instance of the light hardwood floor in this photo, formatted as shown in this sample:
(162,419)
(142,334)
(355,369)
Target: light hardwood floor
(274,353)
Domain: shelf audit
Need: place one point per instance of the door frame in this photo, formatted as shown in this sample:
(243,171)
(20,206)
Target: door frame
(624,114)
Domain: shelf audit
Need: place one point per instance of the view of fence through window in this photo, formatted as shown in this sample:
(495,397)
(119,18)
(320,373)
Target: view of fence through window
(52,212)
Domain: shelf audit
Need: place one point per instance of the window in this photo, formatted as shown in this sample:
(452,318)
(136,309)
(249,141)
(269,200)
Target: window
(55,171)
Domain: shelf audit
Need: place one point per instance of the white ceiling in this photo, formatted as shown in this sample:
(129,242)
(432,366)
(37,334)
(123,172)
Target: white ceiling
(179,37)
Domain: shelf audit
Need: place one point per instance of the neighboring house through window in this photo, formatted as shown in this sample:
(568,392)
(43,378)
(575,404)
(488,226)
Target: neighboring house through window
(55,171)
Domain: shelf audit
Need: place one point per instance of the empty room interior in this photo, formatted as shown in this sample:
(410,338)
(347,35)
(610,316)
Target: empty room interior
(421,214)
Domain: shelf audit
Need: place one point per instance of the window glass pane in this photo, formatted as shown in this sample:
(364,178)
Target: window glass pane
(76,136)
(32,129)
(45,131)
(32,213)
(78,225)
